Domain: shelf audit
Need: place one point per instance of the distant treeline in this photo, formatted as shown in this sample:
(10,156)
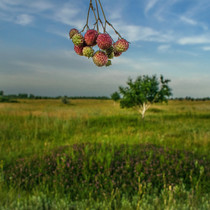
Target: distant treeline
(13,97)
(188,98)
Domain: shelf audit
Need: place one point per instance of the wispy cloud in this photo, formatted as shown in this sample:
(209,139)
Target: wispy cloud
(192,22)
(22,6)
(163,48)
(116,15)
(58,32)
(68,14)
(141,33)
(164,8)
(197,8)
(206,48)
(42,5)
(202,39)
(24,19)
(24,13)
(20,12)
(188,20)
(150,4)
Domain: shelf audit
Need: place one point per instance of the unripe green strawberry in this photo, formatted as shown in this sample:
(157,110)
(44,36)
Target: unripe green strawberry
(111,56)
(78,40)
(88,51)
(110,52)
(109,63)
(121,45)
(100,58)
(72,32)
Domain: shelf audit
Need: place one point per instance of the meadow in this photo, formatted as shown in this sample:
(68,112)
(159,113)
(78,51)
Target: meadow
(91,154)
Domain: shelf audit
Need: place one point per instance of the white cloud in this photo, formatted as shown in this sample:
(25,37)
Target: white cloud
(24,19)
(55,31)
(202,39)
(115,15)
(150,5)
(42,5)
(207,48)
(66,14)
(141,33)
(62,72)
(22,6)
(164,9)
(188,20)
(163,48)
(24,13)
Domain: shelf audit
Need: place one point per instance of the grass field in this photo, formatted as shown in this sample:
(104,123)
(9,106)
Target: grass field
(91,154)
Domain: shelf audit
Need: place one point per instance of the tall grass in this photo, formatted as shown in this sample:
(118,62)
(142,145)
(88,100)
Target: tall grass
(91,153)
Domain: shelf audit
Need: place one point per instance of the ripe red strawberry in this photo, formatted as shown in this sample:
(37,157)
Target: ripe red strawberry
(121,45)
(91,37)
(72,32)
(100,58)
(104,41)
(78,49)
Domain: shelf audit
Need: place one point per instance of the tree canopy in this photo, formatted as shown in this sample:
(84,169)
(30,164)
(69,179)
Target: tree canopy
(115,96)
(144,91)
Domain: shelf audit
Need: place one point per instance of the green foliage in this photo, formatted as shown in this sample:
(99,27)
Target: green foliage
(31,96)
(145,90)
(115,96)
(7,99)
(23,95)
(102,168)
(176,198)
(93,155)
(65,100)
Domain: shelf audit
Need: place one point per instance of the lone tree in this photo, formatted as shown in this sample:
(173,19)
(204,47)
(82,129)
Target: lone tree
(115,96)
(65,100)
(144,91)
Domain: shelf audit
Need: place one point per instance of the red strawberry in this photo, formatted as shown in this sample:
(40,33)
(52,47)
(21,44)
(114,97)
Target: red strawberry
(78,49)
(72,32)
(104,41)
(121,45)
(100,58)
(91,37)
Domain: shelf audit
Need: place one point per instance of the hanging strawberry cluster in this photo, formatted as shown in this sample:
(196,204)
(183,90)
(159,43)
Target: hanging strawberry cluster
(108,49)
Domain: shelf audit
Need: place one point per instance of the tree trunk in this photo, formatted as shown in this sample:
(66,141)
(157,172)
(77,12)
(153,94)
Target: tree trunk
(143,110)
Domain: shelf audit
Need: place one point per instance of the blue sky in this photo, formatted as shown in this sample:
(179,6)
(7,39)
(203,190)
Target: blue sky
(169,37)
